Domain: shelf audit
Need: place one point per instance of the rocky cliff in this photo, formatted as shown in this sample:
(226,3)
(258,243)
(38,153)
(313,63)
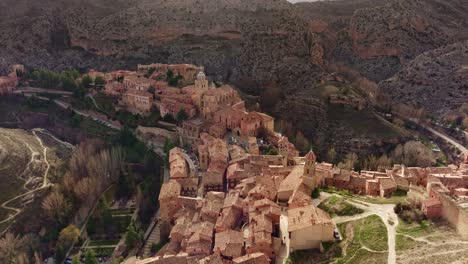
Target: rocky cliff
(270,48)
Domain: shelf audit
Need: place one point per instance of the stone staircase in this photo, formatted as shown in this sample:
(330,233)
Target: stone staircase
(154,238)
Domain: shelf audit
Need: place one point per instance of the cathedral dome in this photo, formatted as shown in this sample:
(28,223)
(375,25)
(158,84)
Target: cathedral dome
(201,75)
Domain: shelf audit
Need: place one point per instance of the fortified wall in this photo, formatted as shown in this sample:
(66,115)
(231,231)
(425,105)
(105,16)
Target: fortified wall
(455,214)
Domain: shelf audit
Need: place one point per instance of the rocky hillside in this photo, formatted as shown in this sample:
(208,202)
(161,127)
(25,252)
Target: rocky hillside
(436,80)
(270,48)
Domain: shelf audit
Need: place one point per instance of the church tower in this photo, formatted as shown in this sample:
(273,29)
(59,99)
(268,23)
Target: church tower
(308,176)
(201,83)
(283,149)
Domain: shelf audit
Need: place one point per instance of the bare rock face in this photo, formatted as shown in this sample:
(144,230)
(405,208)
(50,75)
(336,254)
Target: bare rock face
(255,44)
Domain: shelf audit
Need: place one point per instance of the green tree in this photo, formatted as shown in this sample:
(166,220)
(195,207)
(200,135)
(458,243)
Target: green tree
(99,81)
(315,193)
(91,226)
(127,138)
(181,115)
(86,81)
(108,221)
(68,236)
(169,75)
(68,83)
(79,92)
(149,72)
(124,186)
(132,237)
(76,259)
(168,145)
(168,118)
(271,151)
(90,257)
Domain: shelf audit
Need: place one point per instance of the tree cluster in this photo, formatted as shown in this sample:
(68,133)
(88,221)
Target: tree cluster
(173,80)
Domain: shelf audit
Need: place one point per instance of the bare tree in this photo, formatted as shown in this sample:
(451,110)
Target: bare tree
(13,250)
(349,162)
(56,206)
(80,157)
(371,163)
(87,190)
(384,162)
(106,165)
(413,153)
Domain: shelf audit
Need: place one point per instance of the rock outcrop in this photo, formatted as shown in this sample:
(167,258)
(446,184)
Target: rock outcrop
(255,44)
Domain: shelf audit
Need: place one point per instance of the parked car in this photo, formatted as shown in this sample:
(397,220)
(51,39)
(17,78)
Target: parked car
(336,234)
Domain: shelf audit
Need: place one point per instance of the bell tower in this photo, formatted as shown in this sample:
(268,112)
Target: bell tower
(308,176)
(201,83)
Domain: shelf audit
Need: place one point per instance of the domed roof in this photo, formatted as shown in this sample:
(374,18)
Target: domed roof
(201,75)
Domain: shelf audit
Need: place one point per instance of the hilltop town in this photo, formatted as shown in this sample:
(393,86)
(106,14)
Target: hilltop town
(237,191)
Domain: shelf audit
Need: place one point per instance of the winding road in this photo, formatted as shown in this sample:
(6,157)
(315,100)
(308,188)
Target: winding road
(450,140)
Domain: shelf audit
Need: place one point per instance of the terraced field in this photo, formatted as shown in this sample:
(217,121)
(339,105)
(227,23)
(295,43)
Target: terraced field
(30,162)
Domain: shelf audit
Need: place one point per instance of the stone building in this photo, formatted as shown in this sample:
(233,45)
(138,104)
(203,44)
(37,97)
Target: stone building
(138,83)
(178,167)
(114,88)
(215,99)
(308,226)
(230,243)
(253,146)
(190,131)
(431,208)
(138,101)
(168,201)
(252,122)
(8,84)
(287,150)
(174,104)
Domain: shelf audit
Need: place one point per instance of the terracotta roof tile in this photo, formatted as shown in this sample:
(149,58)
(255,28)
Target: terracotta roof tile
(303,217)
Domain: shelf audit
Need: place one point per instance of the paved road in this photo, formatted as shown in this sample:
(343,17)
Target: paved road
(89,114)
(95,117)
(450,140)
(41,90)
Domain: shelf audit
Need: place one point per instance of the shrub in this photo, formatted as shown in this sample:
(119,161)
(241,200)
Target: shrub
(315,193)
(156,247)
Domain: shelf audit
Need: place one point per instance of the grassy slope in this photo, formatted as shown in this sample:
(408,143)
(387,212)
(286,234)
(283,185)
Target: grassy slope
(338,206)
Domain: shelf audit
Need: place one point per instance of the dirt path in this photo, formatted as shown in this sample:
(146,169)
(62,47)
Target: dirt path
(425,256)
(45,183)
(17,211)
(44,148)
(422,239)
